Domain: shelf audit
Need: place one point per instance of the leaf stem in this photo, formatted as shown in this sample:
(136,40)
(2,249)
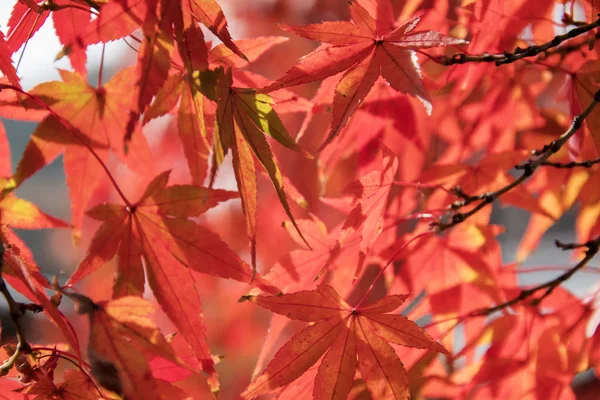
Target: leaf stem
(64,353)
(420,186)
(392,259)
(100,69)
(77,365)
(37,18)
(92,4)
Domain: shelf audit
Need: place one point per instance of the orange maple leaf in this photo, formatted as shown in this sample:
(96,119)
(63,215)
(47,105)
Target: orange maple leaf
(164,24)
(189,86)
(6,63)
(25,20)
(27,279)
(243,120)
(366,48)
(97,117)
(343,333)
(365,221)
(120,330)
(156,229)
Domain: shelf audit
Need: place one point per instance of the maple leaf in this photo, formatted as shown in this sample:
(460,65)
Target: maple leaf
(243,119)
(69,22)
(453,259)
(366,218)
(366,48)
(39,379)
(487,176)
(8,388)
(76,386)
(119,330)
(298,269)
(558,194)
(6,63)
(16,212)
(385,115)
(25,20)
(343,333)
(156,229)
(164,23)
(97,116)
(189,86)
(27,279)
(41,374)
(588,77)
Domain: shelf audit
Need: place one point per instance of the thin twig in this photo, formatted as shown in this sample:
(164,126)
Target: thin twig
(92,4)
(593,246)
(569,48)
(64,353)
(78,366)
(518,53)
(572,164)
(50,5)
(528,169)
(29,35)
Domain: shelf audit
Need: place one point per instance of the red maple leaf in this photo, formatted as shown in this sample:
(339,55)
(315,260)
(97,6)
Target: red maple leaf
(366,48)
(97,116)
(6,64)
(243,120)
(155,232)
(120,330)
(343,333)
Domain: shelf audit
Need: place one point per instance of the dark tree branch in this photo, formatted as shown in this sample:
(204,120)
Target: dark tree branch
(567,19)
(573,164)
(518,53)
(92,4)
(528,169)
(569,48)
(16,311)
(593,246)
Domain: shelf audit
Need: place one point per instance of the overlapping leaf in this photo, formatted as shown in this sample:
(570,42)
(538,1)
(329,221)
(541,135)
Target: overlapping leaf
(487,176)
(585,84)
(156,231)
(244,117)
(343,334)
(96,116)
(191,86)
(119,331)
(69,23)
(365,221)
(16,212)
(25,20)
(27,279)
(366,47)
(6,63)
(164,24)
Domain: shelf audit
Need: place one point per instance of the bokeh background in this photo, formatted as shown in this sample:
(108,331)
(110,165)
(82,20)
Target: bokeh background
(232,327)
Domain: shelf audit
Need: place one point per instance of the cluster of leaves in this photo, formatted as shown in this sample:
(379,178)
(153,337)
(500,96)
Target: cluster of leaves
(419,113)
